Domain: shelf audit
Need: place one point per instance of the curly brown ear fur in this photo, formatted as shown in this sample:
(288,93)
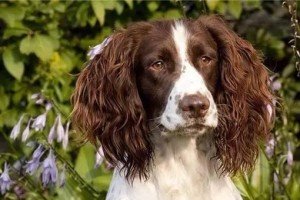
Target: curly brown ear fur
(107,106)
(242,99)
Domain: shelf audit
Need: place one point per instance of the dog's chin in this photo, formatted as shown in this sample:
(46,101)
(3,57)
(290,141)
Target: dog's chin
(189,129)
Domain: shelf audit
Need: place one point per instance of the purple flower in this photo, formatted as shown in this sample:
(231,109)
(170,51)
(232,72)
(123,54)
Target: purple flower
(290,156)
(51,135)
(60,129)
(35,96)
(270,147)
(39,101)
(66,136)
(48,106)
(39,122)
(20,191)
(62,176)
(276,85)
(26,132)
(98,48)
(49,174)
(16,130)
(5,181)
(32,165)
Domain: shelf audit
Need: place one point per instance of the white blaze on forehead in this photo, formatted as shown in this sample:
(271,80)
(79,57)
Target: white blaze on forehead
(180,36)
(190,82)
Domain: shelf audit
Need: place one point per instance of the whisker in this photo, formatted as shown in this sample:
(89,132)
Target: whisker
(156,118)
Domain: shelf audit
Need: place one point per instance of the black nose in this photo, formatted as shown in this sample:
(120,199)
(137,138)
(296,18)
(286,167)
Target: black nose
(194,106)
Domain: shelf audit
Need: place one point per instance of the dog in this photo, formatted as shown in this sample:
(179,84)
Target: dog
(178,106)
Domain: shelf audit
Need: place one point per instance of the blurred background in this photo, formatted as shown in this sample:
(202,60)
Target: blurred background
(44,45)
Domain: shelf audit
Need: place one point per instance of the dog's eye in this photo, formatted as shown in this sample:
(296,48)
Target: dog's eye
(205,60)
(157,66)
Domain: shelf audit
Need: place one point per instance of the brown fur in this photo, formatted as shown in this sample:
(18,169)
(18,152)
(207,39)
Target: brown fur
(108,108)
(242,99)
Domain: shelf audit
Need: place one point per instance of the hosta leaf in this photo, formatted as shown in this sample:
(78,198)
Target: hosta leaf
(13,63)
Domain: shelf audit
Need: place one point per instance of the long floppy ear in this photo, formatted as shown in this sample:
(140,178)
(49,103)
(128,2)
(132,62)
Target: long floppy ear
(244,99)
(107,106)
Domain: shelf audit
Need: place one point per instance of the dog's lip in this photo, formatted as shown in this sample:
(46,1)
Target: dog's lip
(194,126)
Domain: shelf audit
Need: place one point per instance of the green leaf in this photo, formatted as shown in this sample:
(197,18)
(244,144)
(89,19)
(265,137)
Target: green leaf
(152,5)
(13,62)
(129,3)
(12,14)
(9,32)
(119,8)
(42,46)
(99,11)
(235,8)
(288,70)
(253,3)
(172,13)
(243,186)
(212,4)
(221,8)
(85,162)
(4,99)
(102,181)
(261,175)
(109,5)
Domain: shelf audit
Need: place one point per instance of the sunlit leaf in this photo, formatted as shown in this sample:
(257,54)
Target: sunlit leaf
(235,8)
(12,14)
(85,162)
(42,46)
(212,4)
(152,5)
(99,10)
(129,3)
(9,32)
(13,62)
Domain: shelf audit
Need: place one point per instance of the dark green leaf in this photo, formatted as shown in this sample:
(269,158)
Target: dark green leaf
(4,99)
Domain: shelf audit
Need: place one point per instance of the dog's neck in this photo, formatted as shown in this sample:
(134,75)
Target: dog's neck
(183,162)
(184,167)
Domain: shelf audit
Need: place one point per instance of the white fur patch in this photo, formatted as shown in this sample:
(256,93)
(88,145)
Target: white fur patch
(190,82)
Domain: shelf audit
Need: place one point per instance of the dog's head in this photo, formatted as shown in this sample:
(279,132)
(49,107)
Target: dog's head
(183,77)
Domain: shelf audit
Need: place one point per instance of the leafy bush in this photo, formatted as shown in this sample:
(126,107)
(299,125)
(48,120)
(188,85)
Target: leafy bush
(44,46)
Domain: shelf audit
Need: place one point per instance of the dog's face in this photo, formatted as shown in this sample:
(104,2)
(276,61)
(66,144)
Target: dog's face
(186,76)
(176,73)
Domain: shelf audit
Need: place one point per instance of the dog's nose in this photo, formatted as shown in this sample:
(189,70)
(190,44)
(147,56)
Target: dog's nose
(194,106)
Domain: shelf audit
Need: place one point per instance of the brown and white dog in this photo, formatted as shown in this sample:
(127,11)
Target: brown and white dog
(177,106)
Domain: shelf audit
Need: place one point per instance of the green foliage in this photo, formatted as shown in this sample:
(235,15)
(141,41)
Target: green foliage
(44,44)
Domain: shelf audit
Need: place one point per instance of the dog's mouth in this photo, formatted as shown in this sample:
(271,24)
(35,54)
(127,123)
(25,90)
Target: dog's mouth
(190,129)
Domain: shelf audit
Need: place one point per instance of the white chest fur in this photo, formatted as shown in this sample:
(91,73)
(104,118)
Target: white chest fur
(183,170)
